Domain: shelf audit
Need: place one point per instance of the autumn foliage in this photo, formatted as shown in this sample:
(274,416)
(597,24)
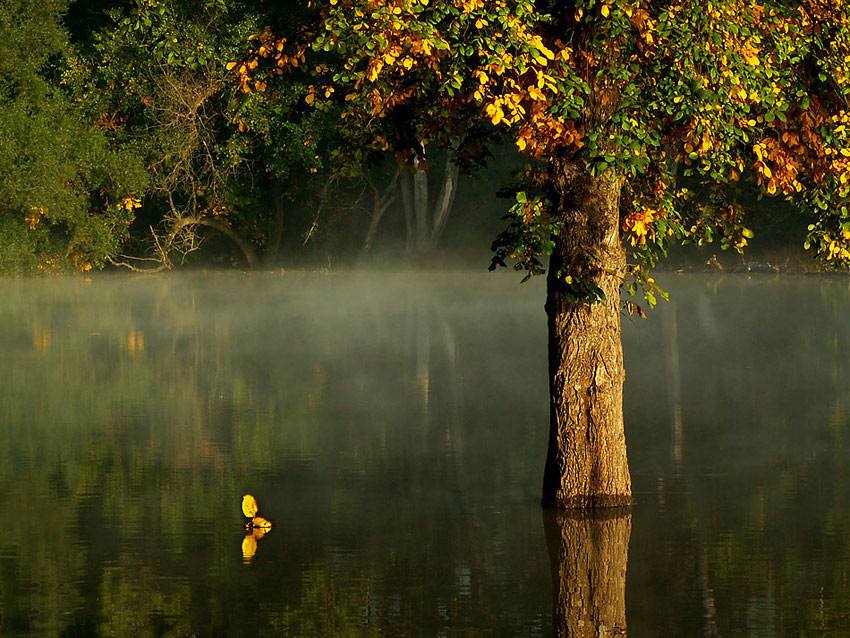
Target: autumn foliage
(683,100)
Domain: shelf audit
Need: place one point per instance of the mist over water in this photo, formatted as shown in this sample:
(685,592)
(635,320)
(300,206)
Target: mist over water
(393,428)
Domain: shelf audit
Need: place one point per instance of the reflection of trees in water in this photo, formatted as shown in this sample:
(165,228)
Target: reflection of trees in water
(372,495)
(756,382)
(588,553)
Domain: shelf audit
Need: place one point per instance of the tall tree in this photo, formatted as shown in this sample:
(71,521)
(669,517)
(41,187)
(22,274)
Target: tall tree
(612,101)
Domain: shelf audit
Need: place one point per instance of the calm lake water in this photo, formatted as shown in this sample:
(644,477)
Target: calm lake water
(393,429)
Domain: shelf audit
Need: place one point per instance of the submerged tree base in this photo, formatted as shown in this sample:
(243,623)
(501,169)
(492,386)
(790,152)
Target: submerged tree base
(587,501)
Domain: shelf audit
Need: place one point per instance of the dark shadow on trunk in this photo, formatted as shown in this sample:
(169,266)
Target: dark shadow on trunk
(588,553)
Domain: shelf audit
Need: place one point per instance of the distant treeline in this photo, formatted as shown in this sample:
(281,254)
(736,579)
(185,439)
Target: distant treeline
(126,140)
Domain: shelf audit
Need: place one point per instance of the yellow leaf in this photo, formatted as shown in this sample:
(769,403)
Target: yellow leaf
(249,506)
(249,547)
(309,99)
(230,66)
(605,11)
(261,523)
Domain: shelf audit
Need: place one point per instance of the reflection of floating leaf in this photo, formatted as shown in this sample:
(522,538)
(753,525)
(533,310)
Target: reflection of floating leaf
(249,548)
(260,530)
(249,506)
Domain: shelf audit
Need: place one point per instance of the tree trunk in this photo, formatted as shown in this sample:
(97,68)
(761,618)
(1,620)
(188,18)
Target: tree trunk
(227,231)
(586,465)
(273,249)
(443,205)
(381,201)
(420,206)
(588,553)
(407,204)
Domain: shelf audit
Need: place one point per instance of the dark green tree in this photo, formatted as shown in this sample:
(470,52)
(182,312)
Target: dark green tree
(66,198)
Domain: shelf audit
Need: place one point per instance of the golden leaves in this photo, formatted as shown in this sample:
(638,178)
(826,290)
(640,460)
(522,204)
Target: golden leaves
(34,216)
(638,225)
(257,527)
(130,203)
(494,112)
(750,54)
(270,48)
(779,162)
(249,506)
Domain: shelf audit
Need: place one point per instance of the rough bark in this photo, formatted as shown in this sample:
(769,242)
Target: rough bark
(588,553)
(586,465)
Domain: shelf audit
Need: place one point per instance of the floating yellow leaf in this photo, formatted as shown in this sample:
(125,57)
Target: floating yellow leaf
(249,548)
(249,506)
(260,523)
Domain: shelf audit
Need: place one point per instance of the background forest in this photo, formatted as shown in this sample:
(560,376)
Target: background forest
(127,140)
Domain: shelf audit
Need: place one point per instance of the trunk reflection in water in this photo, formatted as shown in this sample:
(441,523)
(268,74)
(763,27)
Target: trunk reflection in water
(588,552)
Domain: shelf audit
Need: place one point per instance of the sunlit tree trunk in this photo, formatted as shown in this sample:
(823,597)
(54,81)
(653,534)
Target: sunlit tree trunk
(586,465)
(588,553)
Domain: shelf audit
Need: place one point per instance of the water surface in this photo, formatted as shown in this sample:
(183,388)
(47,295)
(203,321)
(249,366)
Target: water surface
(393,428)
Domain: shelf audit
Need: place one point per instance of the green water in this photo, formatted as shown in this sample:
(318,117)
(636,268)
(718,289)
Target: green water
(393,429)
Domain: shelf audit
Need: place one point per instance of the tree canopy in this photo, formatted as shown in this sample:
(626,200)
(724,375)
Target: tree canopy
(682,101)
